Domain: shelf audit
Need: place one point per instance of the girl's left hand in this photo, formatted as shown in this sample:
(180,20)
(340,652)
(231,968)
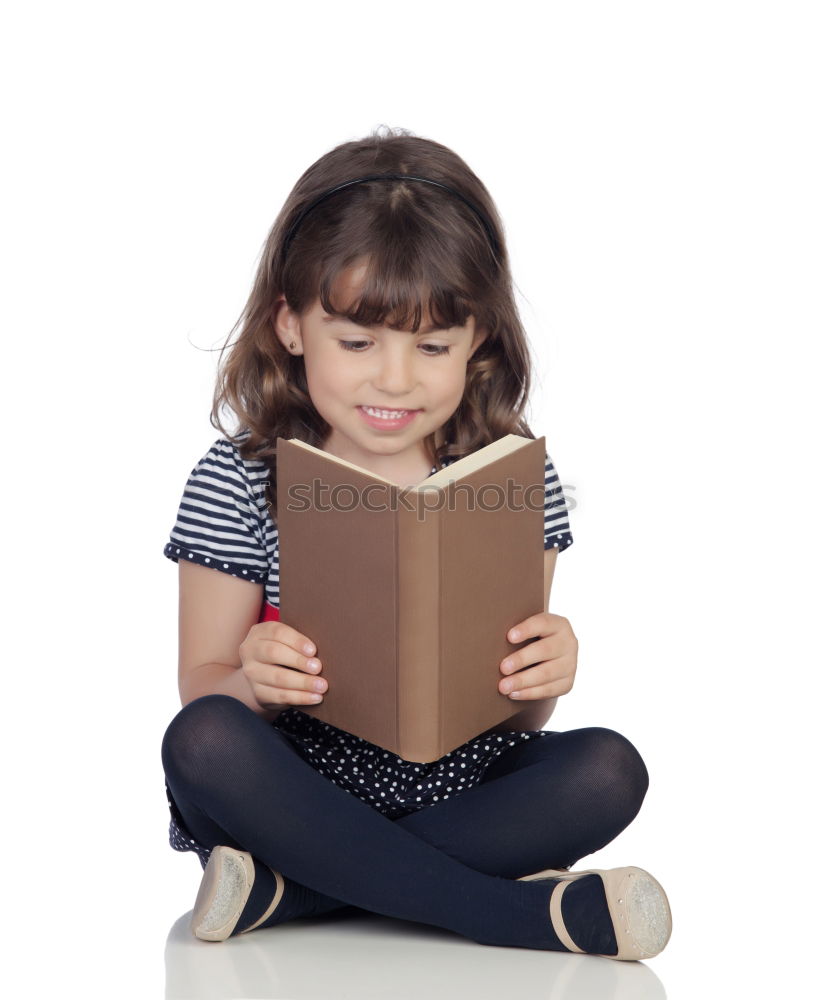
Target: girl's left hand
(555,654)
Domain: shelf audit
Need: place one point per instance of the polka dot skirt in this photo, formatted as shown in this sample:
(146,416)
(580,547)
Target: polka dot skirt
(392,786)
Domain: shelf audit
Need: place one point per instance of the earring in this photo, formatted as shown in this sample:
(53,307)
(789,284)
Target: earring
(293,344)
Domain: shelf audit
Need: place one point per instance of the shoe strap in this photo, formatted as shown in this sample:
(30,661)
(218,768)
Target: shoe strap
(273,905)
(557,916)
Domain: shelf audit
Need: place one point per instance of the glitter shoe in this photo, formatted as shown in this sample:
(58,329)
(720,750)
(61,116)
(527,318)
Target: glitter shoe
(222,895)
(639,909)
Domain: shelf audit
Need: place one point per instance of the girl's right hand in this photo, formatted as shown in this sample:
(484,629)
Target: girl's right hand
(276,661)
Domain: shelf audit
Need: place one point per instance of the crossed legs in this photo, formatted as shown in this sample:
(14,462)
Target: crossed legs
(544,803)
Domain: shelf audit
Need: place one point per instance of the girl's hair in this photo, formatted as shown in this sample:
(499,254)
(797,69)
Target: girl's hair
(426,254)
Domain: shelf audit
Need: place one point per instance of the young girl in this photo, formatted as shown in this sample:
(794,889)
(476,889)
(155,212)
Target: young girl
(382,328)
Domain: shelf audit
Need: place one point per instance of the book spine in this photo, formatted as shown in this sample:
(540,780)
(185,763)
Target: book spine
(418,625)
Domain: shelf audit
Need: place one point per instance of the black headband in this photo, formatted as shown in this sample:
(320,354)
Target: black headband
(388,177)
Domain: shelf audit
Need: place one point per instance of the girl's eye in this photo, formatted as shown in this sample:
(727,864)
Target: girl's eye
(351,345)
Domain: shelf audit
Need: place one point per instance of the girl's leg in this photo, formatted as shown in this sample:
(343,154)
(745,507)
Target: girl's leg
(544,803)
(578,791)
(229,764)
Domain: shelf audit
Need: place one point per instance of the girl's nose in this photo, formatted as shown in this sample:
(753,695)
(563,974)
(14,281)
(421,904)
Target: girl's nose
(395,374)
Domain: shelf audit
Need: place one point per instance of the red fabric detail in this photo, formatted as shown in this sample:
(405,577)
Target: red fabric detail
(270,613)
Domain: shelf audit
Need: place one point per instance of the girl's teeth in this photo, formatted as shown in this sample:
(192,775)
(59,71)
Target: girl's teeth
(386,413)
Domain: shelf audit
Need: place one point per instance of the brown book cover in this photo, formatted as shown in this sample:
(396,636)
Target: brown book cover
(409,593)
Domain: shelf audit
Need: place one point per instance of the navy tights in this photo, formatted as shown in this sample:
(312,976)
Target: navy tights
(544,803)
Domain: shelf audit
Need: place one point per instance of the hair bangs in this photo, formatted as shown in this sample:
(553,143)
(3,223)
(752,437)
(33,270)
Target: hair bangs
(396,293)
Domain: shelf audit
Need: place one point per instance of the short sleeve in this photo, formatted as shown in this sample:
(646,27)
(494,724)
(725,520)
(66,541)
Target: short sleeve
(556,518)
(218,522)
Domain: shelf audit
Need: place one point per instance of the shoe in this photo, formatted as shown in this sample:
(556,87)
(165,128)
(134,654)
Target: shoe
(225,886)
(639,909)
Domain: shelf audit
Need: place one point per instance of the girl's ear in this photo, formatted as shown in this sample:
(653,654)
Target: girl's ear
(286,323)
(479,337)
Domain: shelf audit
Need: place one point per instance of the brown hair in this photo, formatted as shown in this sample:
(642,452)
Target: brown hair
(425,250)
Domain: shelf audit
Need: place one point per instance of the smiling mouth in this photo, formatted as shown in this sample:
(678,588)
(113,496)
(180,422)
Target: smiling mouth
(385,409)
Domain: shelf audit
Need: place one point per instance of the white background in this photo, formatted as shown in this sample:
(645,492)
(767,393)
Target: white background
(653,164)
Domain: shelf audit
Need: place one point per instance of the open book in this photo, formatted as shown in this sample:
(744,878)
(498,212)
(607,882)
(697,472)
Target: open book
(409,593)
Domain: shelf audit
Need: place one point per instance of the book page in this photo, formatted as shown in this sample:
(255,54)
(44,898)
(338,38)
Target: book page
(457,470)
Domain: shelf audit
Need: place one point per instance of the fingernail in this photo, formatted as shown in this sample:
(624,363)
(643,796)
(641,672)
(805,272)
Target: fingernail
(310,648)
(312,665)
(513,634)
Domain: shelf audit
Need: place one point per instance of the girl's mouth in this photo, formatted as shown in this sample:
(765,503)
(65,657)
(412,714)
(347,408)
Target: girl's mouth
(383,420)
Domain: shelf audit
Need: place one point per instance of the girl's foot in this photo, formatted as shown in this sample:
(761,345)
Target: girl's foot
(238,894)
(620,913)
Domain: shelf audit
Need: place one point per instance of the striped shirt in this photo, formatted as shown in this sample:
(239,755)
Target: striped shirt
(223,521)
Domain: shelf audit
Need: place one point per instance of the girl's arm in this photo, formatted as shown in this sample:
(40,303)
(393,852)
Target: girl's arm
(537,713)
(215,613)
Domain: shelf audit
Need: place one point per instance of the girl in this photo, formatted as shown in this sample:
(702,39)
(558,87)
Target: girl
(383,329)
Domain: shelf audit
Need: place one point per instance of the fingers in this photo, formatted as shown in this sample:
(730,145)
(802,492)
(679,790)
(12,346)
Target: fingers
(274,684)
(543,681)
(552,689)
(534,652)
(275,697)
(279,668)
(287,635)
(274,651)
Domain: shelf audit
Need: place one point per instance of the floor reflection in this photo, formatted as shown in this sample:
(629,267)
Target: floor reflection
(351,953)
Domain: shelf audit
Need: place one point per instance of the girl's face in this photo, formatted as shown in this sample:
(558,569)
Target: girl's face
(349,367)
